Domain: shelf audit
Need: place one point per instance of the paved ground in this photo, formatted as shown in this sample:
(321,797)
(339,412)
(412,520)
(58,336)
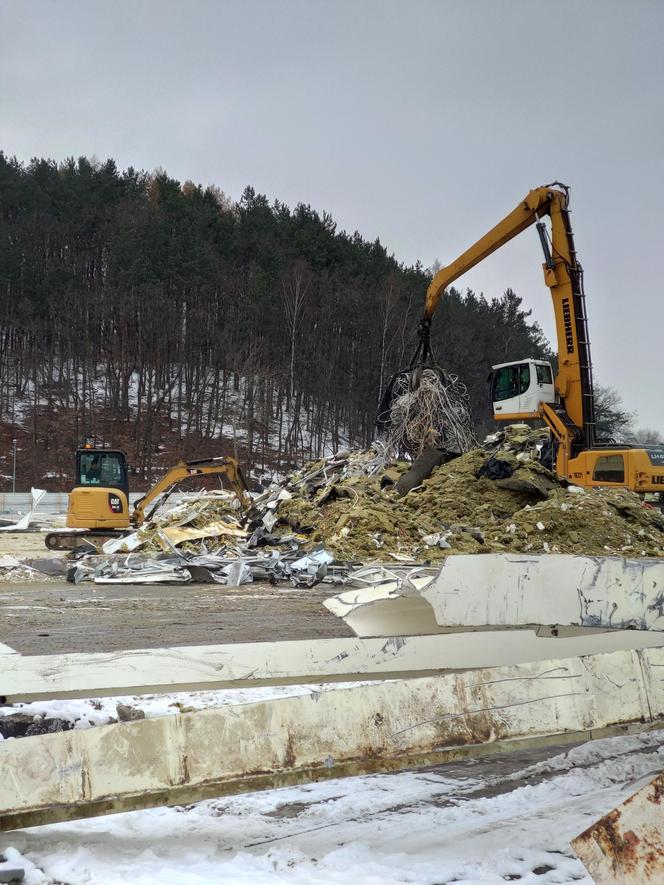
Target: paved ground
(23,544)
(54,616)
(57,617)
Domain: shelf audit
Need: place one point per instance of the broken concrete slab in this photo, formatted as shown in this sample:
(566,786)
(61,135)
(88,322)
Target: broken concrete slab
(367,728)
(511,590)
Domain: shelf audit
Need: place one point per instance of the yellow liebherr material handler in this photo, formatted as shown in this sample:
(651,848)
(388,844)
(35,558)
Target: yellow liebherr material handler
(99,502)
(525,389)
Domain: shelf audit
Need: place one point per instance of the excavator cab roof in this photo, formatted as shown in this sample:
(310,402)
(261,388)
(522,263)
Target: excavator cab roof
(90,447)
(530,360)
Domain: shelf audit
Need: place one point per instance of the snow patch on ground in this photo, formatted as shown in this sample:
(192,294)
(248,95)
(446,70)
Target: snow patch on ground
(87,712)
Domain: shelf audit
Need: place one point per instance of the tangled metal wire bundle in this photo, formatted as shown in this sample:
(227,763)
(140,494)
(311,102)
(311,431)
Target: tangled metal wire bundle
(426,407)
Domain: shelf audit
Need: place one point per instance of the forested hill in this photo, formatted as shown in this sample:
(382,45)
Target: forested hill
(164,318)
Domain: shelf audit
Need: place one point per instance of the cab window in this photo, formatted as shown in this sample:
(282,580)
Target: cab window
(544,375)
(609,468)
(510,381)
(101,469)
(501,384)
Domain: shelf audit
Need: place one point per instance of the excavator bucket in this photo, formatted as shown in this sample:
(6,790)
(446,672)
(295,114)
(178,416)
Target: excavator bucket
(403,381)
(424,406)
(406,380)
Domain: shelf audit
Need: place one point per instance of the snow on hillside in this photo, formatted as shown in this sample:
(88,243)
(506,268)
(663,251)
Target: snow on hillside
(268,427)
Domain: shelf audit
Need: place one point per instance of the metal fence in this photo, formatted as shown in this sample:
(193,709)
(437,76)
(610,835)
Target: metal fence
(52,502)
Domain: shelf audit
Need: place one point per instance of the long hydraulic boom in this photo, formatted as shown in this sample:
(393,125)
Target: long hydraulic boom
(564,277)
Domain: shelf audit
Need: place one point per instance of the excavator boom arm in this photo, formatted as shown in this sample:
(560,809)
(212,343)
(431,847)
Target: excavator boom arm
(563,276)
(185,469)
(525,214)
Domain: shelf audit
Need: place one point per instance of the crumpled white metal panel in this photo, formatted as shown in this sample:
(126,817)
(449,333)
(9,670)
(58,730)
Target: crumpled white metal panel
(585,591)
(242,664)
(195,668)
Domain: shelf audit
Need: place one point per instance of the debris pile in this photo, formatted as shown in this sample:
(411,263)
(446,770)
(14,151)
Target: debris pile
(353,508)
(13,571)
(210,515)
(222,565)
(350,509)
(202,539)
(26,571)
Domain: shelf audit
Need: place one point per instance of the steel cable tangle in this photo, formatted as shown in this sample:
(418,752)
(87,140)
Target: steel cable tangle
(429,407)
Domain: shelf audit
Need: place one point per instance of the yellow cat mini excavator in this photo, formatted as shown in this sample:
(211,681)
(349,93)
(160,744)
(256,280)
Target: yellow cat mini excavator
(526,389)
(99,502)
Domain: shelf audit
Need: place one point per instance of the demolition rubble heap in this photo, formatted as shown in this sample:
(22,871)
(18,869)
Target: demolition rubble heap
(459,508)
(351,509)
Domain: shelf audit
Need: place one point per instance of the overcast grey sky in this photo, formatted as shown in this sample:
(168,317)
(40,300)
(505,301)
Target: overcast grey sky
(419,122)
